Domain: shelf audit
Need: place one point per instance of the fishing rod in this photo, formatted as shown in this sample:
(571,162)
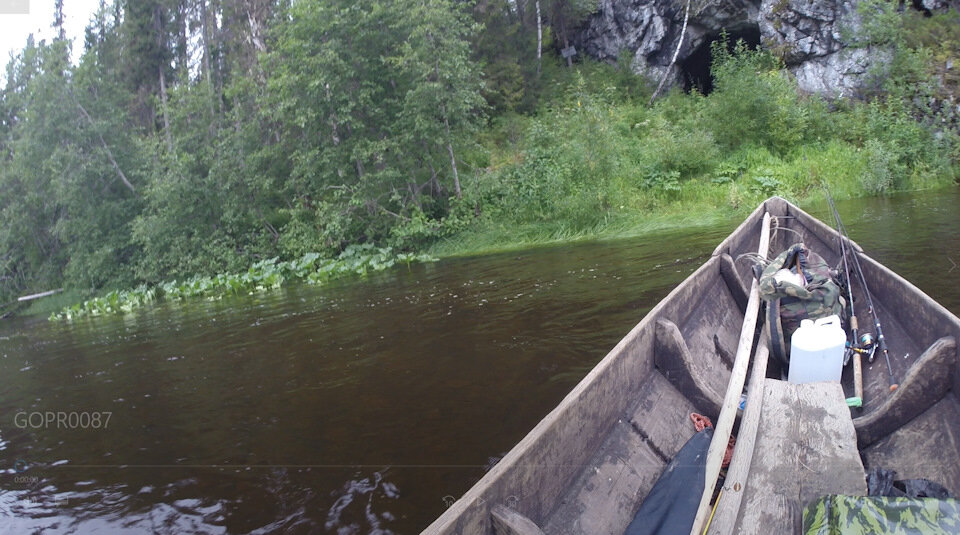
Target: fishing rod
(857,400)
(881,342)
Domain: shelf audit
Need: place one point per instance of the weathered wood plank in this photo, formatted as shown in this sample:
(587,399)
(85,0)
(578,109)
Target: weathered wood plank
(688,373)
(917,315)
(711,329)
(926,447)
(662,416)
(806,447)
(728,411)
(506,521)
(611,487)
(829,459)
(722,351)
(728,508)
(912,321)
(926,382)
(772,488)
(728,270)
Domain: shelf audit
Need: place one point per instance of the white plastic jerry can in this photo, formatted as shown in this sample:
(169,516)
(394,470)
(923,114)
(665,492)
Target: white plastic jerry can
(816,351)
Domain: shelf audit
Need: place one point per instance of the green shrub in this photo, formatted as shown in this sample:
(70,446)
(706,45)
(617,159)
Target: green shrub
(754,101)
(882,168)
(765,183)
(264,275)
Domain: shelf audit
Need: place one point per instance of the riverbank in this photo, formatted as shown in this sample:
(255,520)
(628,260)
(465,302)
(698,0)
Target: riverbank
(534,151)
(481,240)
(265,275)
(603,163)
(598,161)
(493,237)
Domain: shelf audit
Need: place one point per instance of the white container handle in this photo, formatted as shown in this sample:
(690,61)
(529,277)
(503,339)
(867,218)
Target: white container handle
(829,320)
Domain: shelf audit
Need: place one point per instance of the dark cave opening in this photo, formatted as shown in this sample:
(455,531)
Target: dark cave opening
(917,6)
(695,69)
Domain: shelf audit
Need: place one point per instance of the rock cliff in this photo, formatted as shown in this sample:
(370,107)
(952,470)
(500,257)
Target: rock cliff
(812,36)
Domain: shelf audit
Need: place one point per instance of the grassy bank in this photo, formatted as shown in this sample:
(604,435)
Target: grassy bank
(600,162)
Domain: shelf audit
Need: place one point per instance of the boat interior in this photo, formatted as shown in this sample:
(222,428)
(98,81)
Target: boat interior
(588,465)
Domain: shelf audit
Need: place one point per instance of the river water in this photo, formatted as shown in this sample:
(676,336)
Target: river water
(357,407)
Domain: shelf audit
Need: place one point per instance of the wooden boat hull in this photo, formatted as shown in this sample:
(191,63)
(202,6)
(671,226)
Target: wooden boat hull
(587,466)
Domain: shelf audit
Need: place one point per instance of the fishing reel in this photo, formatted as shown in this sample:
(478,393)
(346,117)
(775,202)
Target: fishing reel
(867,343)
(867,346)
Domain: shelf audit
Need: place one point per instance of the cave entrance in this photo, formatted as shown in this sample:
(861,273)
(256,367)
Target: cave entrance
(695,69)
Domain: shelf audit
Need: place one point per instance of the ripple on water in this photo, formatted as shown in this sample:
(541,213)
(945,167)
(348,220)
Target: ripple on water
(366,498)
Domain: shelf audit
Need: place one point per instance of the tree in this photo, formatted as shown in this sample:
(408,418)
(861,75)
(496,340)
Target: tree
(145,55)
(66,210)
(505,50)
(195,135)
(371,97)
(31,253)
(443,99)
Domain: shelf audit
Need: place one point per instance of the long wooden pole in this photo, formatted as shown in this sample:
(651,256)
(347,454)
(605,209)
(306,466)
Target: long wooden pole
(728,503)
(728,411)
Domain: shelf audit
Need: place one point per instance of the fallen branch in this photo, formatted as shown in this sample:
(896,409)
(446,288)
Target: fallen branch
(106,147)
(39,295)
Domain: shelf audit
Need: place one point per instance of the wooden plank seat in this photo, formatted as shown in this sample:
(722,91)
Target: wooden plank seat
(806,447)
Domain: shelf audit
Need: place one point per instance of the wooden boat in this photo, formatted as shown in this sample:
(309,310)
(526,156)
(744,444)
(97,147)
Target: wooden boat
(589,464)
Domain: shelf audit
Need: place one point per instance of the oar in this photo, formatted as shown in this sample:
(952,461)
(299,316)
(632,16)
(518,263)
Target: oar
(728,411)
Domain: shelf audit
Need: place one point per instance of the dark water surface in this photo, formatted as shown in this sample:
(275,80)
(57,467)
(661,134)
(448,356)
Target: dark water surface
(357,407)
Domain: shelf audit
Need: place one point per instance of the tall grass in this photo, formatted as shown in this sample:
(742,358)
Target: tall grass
(598,161)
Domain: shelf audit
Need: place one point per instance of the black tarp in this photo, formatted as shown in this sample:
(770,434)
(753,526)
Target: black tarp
(672,504)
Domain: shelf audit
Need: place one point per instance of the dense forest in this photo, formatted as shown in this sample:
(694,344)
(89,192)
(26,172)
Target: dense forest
(196,137)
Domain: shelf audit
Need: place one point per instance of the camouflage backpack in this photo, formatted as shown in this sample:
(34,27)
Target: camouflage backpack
(879,515)
(818,298)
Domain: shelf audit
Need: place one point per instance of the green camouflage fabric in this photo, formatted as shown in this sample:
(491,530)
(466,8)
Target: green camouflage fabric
(818,299)
(883,515)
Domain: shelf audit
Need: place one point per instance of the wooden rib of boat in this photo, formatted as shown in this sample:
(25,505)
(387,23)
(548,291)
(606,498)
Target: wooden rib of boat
(588,465)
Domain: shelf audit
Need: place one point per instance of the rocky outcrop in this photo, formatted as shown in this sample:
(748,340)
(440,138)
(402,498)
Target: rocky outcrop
(812,36)
(935,5)
(648,31)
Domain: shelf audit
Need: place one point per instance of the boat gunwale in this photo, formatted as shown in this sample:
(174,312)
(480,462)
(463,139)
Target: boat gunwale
(447,522)
(885,275)
(738,240)
(895,293)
